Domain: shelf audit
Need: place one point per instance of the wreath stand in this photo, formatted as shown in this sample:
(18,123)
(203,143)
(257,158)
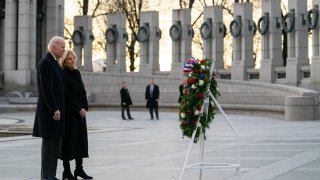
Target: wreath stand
(201,164)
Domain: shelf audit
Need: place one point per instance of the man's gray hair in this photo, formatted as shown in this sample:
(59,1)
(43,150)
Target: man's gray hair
(53,41)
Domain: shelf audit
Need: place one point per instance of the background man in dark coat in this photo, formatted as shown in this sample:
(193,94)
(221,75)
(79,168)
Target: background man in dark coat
(125,101)
(152,96)
(49,118)
(181,86)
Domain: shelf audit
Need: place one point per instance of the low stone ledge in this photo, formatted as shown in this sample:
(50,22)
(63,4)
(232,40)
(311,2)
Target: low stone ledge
(263,110)
(31,100)
(17,107)
(254,107)
(135,105)
(301,108)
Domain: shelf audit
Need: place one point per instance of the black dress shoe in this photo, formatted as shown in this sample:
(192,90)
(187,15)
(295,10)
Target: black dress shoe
(124,118)
(131,118)
(82,174)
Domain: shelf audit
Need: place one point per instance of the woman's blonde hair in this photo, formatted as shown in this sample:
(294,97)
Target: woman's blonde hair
(65,56)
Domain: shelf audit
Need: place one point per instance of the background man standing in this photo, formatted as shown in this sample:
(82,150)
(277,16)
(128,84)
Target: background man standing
(125,101)
(181,86)
(152,96)
(49,118)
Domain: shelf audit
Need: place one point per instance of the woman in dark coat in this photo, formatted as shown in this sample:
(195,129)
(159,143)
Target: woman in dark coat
(125,101)
(75,145)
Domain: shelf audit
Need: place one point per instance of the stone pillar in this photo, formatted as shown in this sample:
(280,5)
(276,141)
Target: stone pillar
(149,36)
(50,23)
(32,33)
(181,33)
(54,19)
(315,57)
(242,48)
(10,39)
(213,40)
(116,37)
(82,39)
(20,42)
(297,43)
(271,41)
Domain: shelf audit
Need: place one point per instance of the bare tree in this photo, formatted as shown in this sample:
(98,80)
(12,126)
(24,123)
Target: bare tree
(84,5)
(132,9)
(186,4)
(100,9)
(199,6)
(238,1)
(284,41)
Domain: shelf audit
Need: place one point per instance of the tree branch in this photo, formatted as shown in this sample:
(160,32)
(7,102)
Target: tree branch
(96,8)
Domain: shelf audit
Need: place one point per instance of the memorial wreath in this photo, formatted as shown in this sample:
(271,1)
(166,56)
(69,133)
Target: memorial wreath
(192,115)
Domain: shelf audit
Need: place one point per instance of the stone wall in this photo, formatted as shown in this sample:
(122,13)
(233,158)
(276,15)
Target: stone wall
(105,87)
(272,99)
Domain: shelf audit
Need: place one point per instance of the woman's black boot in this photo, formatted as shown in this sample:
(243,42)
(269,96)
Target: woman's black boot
(67,175)
(67,172)
(79,170)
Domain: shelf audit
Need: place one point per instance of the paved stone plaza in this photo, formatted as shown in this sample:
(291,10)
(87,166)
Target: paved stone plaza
(144,149)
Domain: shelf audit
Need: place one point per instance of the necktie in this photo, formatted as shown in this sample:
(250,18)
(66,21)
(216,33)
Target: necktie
(151,91)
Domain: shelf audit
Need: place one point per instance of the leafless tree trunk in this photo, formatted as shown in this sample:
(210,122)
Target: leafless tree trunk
(132,8)
(284,45)
(186,4)
(84,5)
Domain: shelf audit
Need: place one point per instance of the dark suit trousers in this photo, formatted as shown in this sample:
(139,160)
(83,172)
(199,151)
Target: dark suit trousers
(49,156)
(155,110)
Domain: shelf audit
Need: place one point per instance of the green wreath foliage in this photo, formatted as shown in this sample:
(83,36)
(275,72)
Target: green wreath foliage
(192,116)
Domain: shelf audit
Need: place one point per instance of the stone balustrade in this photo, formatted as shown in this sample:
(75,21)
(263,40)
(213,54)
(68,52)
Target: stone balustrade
(287,102)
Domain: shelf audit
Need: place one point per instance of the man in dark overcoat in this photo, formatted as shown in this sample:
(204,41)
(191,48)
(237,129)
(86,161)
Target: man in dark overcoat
(49,118)
(181,86)
(125,101)
(152,96)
